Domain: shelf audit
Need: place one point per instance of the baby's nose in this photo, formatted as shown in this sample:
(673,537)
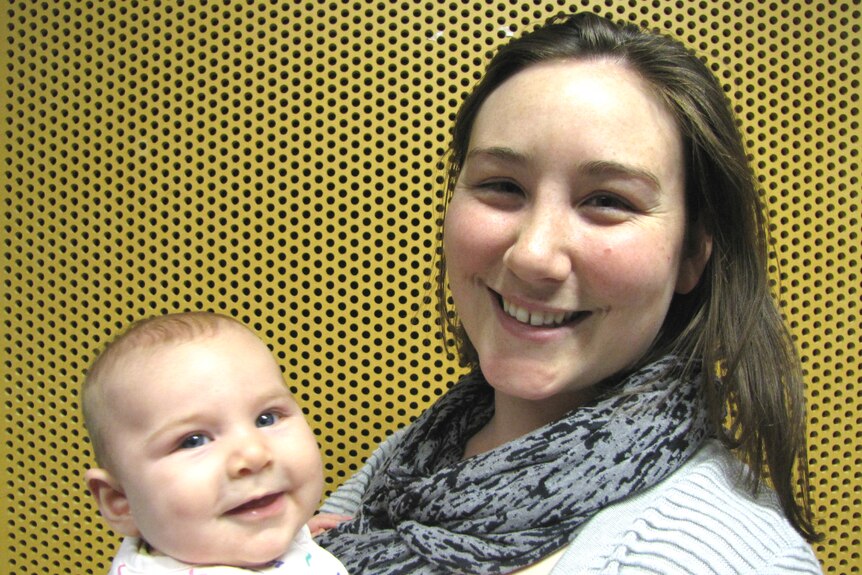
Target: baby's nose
(251,455)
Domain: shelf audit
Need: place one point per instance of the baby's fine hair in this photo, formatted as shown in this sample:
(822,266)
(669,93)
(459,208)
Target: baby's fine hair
(167,329)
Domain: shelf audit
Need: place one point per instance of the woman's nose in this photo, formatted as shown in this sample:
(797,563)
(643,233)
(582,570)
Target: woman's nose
(541,251)
(250,455)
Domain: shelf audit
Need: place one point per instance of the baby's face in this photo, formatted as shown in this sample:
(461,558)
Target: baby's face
(214,455)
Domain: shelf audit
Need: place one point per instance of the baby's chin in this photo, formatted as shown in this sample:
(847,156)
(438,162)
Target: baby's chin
(237,542)
(252,555)
(250,558)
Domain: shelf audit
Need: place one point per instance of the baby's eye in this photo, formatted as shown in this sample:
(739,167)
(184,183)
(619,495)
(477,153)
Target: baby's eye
(266,419)
(194,440)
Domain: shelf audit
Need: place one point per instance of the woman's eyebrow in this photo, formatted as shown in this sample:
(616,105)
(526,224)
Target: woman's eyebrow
(593,168)
(499,153)
(605,168)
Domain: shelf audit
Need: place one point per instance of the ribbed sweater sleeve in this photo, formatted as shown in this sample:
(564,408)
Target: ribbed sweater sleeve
(346,499)
(700,520)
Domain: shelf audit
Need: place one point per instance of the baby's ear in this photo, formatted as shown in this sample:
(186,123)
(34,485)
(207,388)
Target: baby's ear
(112,501)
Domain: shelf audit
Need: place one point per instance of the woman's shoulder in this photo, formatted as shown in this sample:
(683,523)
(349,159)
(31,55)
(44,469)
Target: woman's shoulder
(346,499)
(701,519)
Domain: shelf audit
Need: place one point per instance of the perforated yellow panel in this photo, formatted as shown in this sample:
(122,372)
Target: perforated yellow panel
(279,161)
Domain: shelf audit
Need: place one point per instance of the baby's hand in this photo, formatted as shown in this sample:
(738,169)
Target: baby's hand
(324,521)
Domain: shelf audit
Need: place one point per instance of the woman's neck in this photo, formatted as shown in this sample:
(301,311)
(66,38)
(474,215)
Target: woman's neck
(515,416)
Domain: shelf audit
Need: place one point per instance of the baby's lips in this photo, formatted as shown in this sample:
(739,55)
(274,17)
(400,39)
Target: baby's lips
(256,503)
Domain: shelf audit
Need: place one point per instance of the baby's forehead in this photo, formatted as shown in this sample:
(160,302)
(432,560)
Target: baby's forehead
(126,376)
(149,348)
(223,355)
(174,331)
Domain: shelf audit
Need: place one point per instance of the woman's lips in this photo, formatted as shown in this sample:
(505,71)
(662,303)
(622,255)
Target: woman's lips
(536,318)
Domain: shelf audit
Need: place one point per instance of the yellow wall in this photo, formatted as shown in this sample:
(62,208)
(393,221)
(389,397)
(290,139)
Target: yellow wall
(278,161)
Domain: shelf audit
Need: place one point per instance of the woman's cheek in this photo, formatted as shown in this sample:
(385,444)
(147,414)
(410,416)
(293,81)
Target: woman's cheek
(461,242)
(473,226)
(633,269)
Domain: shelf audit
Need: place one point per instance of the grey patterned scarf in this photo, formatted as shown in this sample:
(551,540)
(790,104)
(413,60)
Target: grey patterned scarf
(429,512)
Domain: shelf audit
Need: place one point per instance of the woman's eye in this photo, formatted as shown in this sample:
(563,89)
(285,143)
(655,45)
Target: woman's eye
(194,440)
(607,201)
(502,186)
(266,419)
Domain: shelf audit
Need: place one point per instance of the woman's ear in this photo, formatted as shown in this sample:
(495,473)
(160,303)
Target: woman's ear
(697,253)
(112,501)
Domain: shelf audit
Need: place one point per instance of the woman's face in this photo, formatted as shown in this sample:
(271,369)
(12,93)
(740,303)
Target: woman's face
(564,238)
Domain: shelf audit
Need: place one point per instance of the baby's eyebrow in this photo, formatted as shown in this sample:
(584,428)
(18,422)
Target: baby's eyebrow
(167,429)
(280,394)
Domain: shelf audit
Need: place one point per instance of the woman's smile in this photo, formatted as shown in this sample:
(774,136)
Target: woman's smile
(539,318)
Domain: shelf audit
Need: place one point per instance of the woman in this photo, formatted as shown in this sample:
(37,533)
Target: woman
(604,248)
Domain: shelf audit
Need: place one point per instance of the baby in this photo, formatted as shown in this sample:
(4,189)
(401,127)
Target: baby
(205,459)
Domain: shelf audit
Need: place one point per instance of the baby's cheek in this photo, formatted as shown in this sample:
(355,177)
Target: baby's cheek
(191,490)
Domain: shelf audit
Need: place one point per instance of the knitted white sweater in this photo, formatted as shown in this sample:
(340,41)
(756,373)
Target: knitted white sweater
(700,520)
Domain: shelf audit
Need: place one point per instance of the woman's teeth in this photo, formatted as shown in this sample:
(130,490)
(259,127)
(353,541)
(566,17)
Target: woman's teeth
(537,318)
